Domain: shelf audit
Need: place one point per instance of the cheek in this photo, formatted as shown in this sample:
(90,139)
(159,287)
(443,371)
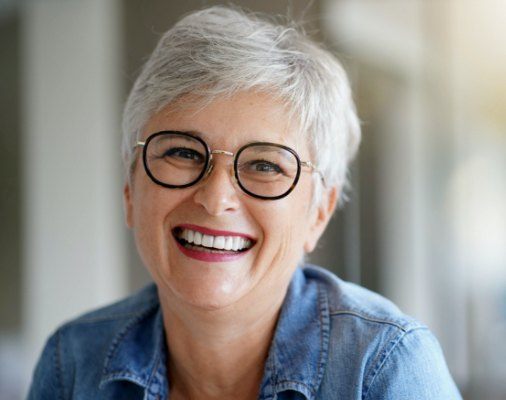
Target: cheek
(299,223)
(149,238)
(285,227)
(150,210)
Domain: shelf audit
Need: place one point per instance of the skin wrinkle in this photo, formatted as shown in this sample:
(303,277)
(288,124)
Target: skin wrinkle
(253,53)
(219,317)
(250,364)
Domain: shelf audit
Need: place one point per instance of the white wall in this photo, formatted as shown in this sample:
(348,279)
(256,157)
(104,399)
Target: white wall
(73,241)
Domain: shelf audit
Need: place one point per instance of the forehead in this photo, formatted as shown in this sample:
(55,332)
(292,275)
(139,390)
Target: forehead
(229,122)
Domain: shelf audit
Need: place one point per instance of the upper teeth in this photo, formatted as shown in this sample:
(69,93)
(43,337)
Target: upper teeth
(217,242)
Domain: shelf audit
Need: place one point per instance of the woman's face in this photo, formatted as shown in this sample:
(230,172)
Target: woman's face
(280,231)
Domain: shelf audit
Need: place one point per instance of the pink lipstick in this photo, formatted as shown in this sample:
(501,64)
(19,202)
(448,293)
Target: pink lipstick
(211,245)
(204,255)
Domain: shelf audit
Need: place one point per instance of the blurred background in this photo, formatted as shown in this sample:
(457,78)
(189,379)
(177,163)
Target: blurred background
(426,220)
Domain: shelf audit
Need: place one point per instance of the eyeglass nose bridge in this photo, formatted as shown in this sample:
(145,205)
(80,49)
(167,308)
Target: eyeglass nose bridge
(211,164)
(227,153)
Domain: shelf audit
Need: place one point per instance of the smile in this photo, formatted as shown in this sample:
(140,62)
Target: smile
(211,247)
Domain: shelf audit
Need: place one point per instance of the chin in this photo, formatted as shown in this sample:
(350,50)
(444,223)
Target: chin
(209,293)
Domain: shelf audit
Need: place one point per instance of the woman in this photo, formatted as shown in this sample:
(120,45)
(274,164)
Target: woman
(237,137)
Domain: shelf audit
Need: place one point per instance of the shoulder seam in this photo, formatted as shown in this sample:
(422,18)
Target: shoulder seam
(376,320)
(377,369)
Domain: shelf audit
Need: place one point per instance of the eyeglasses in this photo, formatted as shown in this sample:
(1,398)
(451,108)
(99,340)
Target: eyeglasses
(177,160)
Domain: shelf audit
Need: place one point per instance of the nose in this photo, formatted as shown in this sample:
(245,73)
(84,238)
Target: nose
(217,193)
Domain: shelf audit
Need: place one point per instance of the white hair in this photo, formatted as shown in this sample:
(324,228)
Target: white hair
(221,51)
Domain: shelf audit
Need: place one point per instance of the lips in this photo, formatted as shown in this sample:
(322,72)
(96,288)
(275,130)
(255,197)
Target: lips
(209,244)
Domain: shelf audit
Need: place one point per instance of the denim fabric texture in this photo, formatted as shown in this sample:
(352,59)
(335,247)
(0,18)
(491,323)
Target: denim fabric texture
(333,340)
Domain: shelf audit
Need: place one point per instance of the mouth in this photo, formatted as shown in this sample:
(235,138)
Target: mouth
(210,241)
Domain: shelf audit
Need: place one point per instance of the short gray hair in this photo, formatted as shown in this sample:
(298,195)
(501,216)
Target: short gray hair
(220,51)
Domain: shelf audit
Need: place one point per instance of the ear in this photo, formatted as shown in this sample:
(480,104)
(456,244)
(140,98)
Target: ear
(128,205)
(320,217)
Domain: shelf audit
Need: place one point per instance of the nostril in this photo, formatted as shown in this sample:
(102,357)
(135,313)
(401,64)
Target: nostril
(218,193)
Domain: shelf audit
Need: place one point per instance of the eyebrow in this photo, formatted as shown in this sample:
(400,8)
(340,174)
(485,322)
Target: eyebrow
(199,134)
(206,138)
(193,133)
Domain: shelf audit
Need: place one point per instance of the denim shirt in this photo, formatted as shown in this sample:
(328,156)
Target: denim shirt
(333,340)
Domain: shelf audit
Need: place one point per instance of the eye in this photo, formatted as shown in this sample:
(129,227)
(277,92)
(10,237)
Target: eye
(184,154)
(263,166)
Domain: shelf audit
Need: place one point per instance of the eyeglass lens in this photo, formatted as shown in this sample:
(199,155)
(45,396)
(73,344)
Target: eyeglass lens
(180,160)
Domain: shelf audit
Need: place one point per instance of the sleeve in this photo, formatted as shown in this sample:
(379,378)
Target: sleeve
(413,368)
(47,380)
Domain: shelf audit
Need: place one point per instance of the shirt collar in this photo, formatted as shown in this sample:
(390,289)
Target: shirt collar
(296,360)
(138,352)
(299,351)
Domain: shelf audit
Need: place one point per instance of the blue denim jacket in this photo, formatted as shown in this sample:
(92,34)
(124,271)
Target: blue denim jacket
(333,340)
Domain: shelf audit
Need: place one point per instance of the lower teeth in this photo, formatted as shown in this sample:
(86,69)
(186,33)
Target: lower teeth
(205,249)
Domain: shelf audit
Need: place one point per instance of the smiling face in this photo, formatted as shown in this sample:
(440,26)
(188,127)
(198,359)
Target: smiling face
(257,243)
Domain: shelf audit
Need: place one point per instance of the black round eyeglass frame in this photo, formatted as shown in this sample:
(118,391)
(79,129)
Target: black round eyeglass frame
(208,163)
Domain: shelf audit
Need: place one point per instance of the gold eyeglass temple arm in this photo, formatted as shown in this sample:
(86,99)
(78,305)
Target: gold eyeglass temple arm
(314,168)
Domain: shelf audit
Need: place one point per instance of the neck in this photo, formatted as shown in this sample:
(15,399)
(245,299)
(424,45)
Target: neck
(218,354)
